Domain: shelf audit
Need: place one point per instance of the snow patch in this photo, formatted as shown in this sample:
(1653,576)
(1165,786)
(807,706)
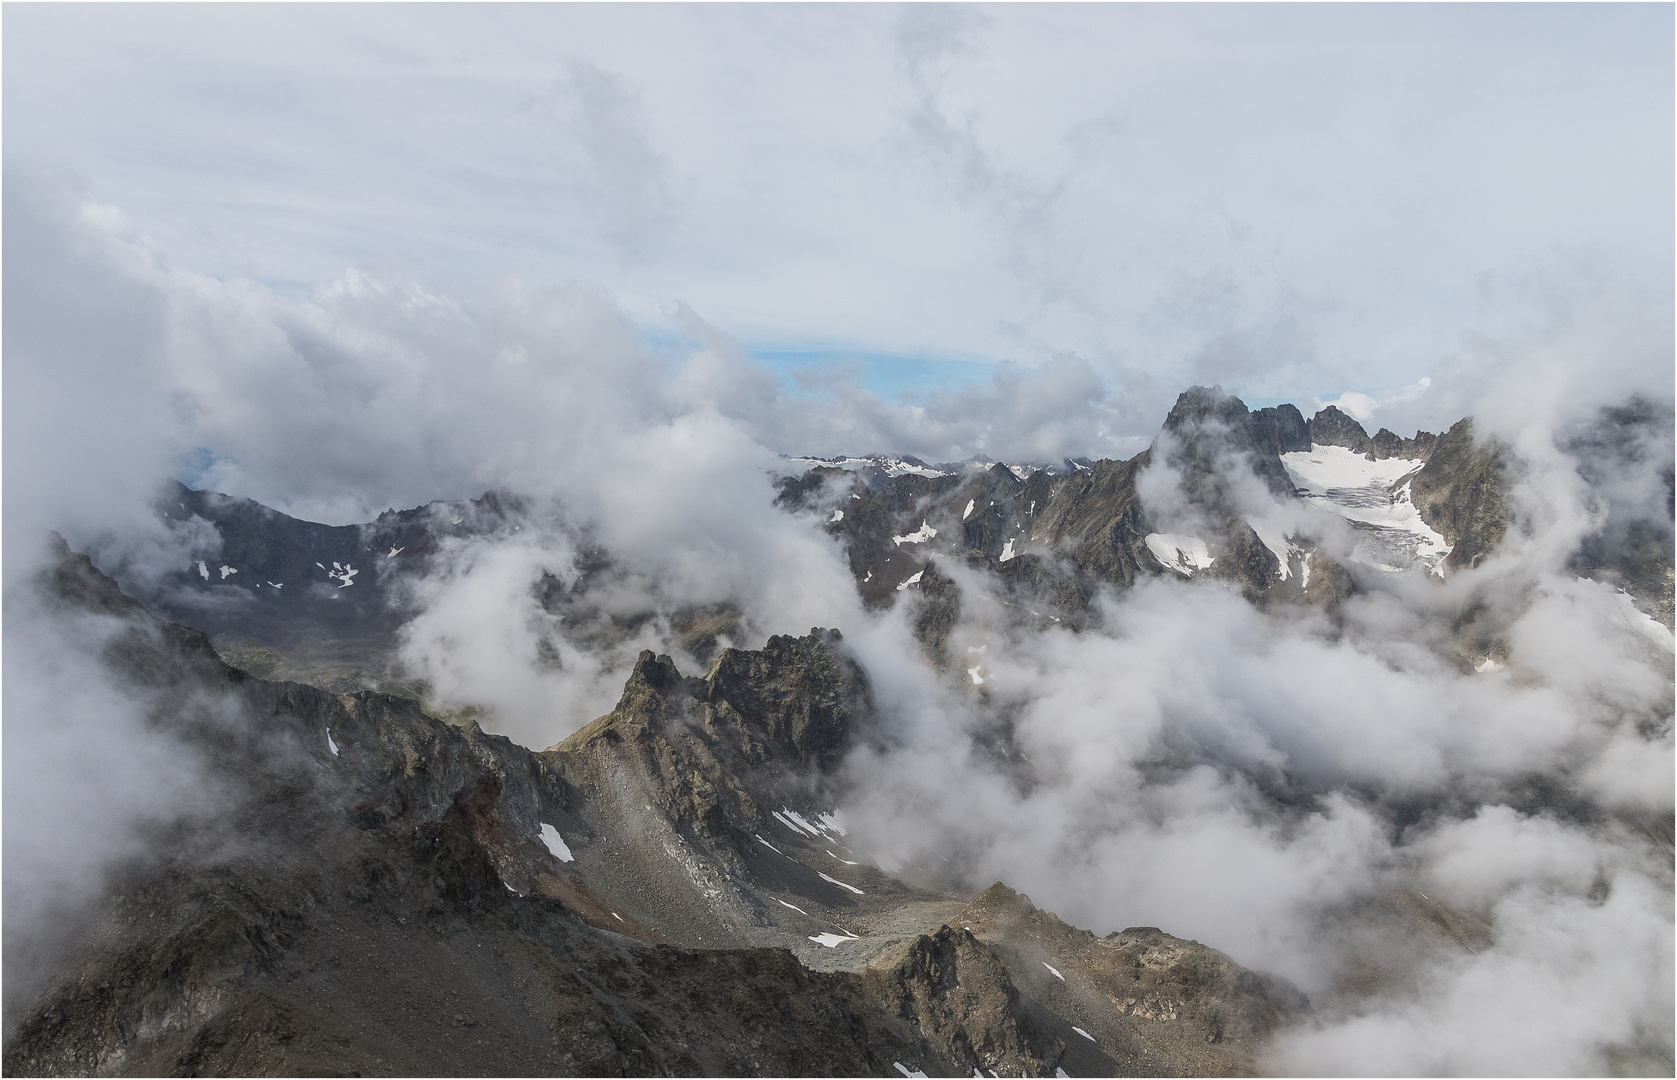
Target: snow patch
(889,465)
(910,581)
(833,941)
(919,536)
(556,843)
(827,825)
(203,571)
(838,515)
(845,861)
(798,822)
(802,823)
(394,551)
(974,674)
(915,1075)
(1639,621)
(1008,552)
(330,745)
(766,844)
(1486,664)
(1055,970)
(226,570)
(342,573)
(1184,554)
(840,884)
(967,513)
(794,907)
(1277,544)
(1083,1033)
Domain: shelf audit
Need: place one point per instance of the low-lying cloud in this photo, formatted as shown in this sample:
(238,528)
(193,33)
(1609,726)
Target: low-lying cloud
(1259,781)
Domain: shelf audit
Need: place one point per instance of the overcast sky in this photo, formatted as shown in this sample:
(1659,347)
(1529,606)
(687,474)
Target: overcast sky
(1292,201)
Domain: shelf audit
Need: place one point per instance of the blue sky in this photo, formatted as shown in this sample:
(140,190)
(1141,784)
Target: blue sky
(1292,201)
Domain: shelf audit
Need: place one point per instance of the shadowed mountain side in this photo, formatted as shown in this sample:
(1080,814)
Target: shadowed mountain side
(1633,550)
(1463,493)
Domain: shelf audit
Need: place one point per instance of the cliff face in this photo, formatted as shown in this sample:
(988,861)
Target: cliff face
(1463,493)
(382,893)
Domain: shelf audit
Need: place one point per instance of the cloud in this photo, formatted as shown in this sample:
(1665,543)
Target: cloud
(1251,779)
(633,183)
(86,351)
(89,777)
(1363,407)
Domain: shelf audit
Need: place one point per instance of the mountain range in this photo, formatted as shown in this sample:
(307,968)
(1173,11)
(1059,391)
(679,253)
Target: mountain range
(390,888)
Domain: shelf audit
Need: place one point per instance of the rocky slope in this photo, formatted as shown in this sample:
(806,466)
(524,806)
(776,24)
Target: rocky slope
(383,893)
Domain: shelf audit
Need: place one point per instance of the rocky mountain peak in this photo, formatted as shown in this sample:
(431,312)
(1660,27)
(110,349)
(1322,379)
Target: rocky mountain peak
(1331,427)
(650,686)
(1281,429)
(1199,404)
(804,696)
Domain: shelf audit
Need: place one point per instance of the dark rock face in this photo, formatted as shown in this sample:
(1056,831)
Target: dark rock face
(1098,515)
(1463,493)
(937,609)
(716,753)
(801,695)
(954,988)
(1280,430)
(1210,427)
(1330,427)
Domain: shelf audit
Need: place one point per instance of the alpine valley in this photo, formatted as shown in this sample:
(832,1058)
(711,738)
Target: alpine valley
(756,862)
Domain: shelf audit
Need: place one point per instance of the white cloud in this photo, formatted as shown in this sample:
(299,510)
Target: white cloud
(1191,194)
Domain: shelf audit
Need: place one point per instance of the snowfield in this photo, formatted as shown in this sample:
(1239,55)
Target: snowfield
(1374,497)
